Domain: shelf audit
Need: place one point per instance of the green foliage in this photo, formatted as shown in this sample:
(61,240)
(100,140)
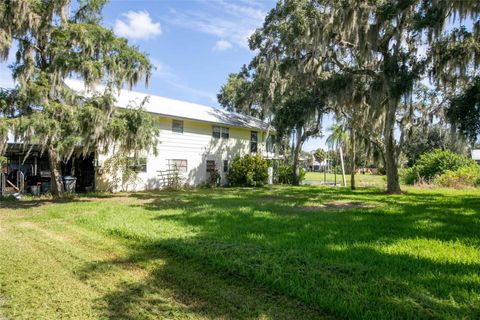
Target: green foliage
(432,164)
(338,136)
(248,171)
(118,171)
(286,174)
(320,155)
(300,109)
(241,93)
(213,179)
(351,53)
(464,110)
(468,176)
(132,130)
(57,40)
(421,141)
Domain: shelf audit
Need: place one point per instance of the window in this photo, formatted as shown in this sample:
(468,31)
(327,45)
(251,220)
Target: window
(220,132)
(225,133)
(210,165)
(216,132)
(270,144)
(181,165)
(225,165)
(177,126)
(137,164)
(253,141)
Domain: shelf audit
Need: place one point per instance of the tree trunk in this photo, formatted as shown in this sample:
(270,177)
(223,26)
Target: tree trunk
(352,158)
(393,182)
(296,155)
(56,178)
(344,179)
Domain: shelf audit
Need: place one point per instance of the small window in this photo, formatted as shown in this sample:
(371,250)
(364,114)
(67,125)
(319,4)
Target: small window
(216,132)
(181,165)
(253,141)
(137,164)
(225,165)
(210,165)
(177,126)
(222,132)
(225,133)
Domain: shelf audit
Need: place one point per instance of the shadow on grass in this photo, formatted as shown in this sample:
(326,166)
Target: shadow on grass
(198,290)
(350,263)
(35,203)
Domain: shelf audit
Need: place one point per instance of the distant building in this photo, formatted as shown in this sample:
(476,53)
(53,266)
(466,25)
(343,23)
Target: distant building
(476,155)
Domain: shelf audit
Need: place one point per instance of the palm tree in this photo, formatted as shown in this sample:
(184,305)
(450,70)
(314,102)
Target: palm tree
(338,139)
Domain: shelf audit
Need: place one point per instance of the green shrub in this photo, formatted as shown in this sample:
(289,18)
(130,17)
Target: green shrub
(432,164)
(249,171)
(213,179)
(463,177)
(285,174)
(409,175)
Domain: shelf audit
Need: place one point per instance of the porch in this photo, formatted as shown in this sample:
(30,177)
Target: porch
(27,170)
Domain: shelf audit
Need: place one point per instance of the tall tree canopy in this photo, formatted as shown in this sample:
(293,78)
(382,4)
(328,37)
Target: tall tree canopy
(53,40)
(368,59)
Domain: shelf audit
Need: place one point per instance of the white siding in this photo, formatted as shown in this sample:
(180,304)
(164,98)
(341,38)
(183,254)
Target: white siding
(196,145)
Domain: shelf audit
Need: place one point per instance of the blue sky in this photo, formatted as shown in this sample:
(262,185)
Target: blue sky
(194,44)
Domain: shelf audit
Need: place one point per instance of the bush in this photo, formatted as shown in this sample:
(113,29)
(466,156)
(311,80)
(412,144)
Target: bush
(249,171)
(463,177)
(285,174)
(435,163)
(409,175)
(213,179)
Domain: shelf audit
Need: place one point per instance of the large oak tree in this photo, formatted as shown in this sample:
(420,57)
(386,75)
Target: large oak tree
(54,40)
(383,45)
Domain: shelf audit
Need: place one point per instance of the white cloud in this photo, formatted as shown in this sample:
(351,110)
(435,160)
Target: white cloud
(227,21)
(222,45)
(137,25)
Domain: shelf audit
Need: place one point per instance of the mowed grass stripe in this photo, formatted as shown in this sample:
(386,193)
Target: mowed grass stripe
(68,271)
(359,254)
(294,251)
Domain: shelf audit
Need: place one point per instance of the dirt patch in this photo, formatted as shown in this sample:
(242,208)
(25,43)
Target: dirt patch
(337,205)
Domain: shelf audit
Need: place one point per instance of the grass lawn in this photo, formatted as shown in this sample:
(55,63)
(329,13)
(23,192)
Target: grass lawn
(362,180)
(305,252)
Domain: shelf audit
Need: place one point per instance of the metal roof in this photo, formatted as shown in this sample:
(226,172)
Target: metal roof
(177,108)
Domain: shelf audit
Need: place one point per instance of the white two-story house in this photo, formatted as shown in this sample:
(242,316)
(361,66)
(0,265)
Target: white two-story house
(193,139)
